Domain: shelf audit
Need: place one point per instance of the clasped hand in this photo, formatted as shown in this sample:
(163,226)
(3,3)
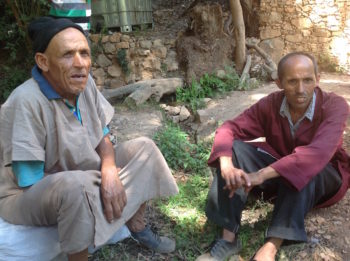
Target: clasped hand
(113,194)
(237,178)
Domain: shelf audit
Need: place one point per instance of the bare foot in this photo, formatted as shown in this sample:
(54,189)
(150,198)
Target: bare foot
(269,250)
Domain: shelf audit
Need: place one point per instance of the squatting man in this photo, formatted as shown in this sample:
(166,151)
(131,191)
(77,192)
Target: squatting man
(301,165)
(57,164)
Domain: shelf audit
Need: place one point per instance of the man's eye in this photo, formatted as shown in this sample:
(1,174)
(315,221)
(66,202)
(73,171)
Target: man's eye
(292,82)
(85,54)
(308,80)
(67,55)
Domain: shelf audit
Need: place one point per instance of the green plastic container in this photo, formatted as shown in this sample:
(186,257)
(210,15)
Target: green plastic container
(121,13)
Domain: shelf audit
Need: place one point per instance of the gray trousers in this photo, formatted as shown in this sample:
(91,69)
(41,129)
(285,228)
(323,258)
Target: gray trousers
(290,205)
(71,199)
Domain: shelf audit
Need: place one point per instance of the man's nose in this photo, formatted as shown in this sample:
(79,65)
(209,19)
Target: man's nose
(78,60)
(300,87)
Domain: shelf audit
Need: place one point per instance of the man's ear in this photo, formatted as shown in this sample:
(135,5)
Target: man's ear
(42,61)
(278,83)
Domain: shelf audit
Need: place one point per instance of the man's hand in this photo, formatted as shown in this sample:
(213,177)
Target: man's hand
(112,190)
(237,178)
(257,178)
(113,193)
(234,178)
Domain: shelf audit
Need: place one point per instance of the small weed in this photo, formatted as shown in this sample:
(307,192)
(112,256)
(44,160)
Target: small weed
(96,48)
(164,67)
(209,85)
(123,61)
(178,150)
(330,64)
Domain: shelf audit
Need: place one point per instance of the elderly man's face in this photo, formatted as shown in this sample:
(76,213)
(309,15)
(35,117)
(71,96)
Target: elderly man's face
(298,82)
(68,63)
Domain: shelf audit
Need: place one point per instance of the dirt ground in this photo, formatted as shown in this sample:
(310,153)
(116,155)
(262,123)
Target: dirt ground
(328,229)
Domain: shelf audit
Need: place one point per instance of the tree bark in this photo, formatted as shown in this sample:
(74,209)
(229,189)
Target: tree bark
(156,90)
(141,91)
(239,29)
(245,73)
(270,66)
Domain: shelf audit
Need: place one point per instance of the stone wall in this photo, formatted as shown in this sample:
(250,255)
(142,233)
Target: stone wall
(144,58)
(321,27)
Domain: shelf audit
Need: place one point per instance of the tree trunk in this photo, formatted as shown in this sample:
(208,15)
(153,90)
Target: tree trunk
(239,29)
(141,91)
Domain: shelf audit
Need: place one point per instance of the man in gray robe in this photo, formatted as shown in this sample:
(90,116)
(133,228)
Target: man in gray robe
(57,164)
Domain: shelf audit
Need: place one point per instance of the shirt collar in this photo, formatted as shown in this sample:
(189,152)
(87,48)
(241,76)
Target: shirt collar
(44,85)
(309,113)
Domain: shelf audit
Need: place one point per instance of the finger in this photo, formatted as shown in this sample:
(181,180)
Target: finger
(108,211)
(248,189)
(246,179)
(124,198)
(232,192)
(227,187)
(238,181)
(116,209)
(121,203)
(227,180)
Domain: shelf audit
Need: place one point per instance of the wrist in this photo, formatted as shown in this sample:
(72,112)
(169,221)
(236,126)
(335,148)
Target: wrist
(225,161)
(109,170)
(267,173)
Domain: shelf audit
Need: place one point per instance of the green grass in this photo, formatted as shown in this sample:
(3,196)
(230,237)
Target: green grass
(186,211)
(208,86)
(183,215)
(178,150)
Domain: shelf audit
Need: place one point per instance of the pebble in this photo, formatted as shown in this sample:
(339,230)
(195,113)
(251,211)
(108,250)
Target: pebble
(328,237)
(303,254)
(320,231)
(320,220)
(314,240)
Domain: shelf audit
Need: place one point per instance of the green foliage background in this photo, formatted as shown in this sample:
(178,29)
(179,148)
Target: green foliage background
(16,57)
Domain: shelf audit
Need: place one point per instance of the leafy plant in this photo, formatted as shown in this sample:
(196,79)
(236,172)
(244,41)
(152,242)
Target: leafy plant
(179,152)
(16,57)
(13,76)
(123,61)
(209,85)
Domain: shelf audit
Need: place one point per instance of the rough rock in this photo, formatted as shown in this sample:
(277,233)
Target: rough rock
(145,44)
(173,110)
(98,73)
(115,38)
(114,70)
(184,113)
(122,45)
(103,61)
(109,47)
(116,82)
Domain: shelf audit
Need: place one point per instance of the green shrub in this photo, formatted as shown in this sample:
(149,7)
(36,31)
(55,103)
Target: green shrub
(179,152)
(16,57)
(13,76)
(209,85)
(123,61)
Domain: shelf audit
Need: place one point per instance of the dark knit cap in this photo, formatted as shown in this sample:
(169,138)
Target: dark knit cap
(43,29)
